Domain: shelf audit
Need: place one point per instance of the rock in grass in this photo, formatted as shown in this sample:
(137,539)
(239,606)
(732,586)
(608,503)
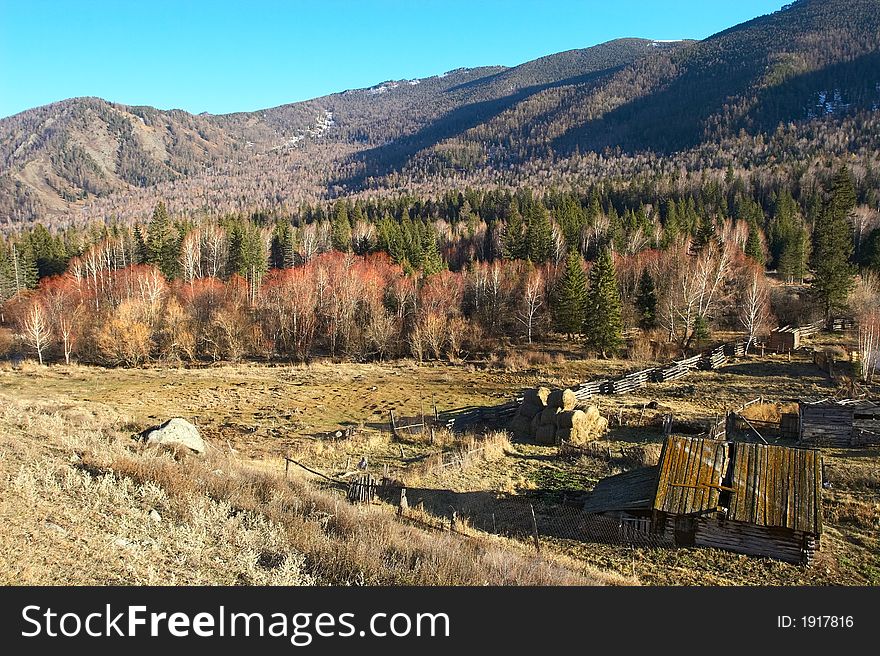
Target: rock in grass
(175,433)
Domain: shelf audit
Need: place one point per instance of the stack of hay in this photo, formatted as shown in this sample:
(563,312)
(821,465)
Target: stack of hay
(550,417)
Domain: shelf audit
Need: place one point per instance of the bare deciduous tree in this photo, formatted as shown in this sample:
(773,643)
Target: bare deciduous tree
(36,329)
(531,301)
(753,304)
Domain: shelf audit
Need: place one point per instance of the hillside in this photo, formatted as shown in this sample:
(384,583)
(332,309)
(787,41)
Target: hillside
(216,520)
(813,66)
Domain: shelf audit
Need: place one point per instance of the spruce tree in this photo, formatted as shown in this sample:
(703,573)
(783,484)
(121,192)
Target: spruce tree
(646,301)
(833,271)
(671,227)
(49,251)
(432,261)
(705,233)
(604,323)
(282,246)
(162,242)
(870,255)
(340,229)
(141,253)
(794,255)
(569,302)
(539,236)
(616,238)
(513,240)
(754,247)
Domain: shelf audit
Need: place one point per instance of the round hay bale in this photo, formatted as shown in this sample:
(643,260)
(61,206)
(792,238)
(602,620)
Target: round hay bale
(536,396)
(548,416)
(520,427)
(562,398)
(584,426)
(533,427)
(571,418)
(546,435)
(564,435)
(599,427)
(591,413)
(529,410)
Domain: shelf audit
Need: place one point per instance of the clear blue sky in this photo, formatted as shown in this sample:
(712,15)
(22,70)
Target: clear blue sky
(222,56)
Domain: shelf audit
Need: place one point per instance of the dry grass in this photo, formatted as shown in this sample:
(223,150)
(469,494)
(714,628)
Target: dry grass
(76,490)
(266,412)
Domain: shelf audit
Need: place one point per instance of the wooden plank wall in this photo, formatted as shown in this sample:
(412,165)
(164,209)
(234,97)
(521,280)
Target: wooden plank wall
(826,425)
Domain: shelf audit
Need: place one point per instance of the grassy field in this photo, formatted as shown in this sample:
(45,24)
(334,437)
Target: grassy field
(258,414)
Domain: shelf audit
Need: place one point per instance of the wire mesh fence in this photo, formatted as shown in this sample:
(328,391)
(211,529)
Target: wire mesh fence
(519,519)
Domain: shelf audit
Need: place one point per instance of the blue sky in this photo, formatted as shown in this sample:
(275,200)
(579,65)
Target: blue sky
(221,56)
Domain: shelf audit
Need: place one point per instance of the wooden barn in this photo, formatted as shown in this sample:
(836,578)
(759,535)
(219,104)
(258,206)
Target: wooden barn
(745,497)
(839,423)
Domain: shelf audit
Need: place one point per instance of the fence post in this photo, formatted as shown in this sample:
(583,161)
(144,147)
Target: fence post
(286,467)
(535,529)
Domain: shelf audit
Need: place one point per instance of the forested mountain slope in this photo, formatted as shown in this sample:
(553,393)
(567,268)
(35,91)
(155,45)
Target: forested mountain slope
(793,86)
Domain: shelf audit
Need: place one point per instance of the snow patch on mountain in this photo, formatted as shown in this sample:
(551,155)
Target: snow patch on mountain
(322,123)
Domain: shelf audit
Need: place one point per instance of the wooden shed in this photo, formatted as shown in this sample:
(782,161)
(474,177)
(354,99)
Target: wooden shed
(749,498)
(784,339)
(839,423)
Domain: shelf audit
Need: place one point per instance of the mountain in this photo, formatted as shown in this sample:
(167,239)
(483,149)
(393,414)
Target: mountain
(813,68)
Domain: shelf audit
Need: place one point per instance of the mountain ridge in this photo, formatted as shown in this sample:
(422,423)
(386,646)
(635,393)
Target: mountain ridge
(813,60)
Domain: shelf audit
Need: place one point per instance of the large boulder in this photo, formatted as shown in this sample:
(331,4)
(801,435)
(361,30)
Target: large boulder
(175,433)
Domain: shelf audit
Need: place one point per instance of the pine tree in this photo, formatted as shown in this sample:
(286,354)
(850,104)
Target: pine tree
(833,271)
(513,241)
(604,323)
(432,261)
(705,231)
(340,230)
(646,301)
(282,246)
(754,246)
(569,300)
(539,236)
(162,242)
(616,237)
(141,253)
(671,227)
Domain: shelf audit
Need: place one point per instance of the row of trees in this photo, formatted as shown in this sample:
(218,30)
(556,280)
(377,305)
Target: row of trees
(561,262)
(367,307)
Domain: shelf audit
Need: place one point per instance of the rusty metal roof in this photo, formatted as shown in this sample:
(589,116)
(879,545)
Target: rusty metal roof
(691,474)
(766,485)
(776,486)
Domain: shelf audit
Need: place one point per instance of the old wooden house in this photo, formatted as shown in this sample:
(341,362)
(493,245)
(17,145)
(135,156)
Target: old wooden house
(838,423)
(744,497)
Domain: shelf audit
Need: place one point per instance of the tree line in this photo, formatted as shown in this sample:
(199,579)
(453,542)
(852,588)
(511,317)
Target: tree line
(429,277)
